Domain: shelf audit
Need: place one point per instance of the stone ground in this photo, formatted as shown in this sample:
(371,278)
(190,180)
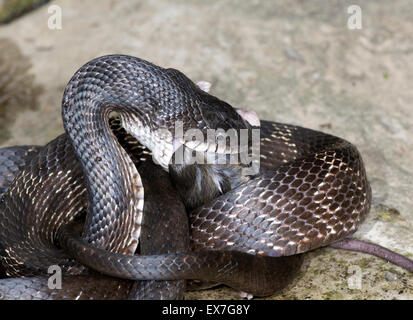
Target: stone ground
(290,61)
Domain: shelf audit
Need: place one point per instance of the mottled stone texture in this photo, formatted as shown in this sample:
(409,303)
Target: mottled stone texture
(290,61)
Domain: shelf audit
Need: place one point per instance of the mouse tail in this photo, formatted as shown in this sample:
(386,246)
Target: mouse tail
(352,244)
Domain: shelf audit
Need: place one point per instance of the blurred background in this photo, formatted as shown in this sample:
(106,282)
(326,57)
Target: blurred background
(325,65)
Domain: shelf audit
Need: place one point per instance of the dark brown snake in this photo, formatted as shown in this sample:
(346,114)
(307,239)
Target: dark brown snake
(246,232)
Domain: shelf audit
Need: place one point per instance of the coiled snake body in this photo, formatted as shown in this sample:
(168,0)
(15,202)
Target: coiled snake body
(311,190)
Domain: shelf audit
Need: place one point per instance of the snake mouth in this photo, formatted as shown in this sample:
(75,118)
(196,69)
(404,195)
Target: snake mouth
(218,148)
(217,142)
(206,146)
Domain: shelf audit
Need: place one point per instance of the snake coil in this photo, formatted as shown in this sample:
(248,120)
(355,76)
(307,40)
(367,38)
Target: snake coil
(311,190)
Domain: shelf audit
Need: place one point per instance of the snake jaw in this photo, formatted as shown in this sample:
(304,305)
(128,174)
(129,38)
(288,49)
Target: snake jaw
(159,142)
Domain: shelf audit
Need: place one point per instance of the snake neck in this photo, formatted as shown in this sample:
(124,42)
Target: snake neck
(125,85)
(114,188)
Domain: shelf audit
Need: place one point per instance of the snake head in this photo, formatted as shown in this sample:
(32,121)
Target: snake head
(220,128)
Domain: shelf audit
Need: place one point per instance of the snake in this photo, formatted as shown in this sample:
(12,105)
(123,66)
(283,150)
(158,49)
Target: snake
(79,200)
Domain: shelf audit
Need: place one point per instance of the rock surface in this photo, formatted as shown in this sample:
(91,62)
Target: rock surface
(294,62)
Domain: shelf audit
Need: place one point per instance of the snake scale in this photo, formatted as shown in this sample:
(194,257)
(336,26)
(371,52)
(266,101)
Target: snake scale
(244,231)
